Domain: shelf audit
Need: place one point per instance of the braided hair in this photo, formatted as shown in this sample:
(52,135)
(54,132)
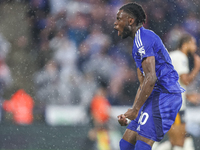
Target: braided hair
(135,10)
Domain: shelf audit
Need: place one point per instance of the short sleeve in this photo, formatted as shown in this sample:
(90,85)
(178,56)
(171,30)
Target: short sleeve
(145,48)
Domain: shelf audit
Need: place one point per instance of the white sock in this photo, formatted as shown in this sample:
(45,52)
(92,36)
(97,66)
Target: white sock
(177,148)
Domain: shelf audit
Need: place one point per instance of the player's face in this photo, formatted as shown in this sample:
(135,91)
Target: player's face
(121,24)
(192,45)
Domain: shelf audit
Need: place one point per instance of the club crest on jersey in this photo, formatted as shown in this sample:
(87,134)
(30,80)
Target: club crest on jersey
(141,50)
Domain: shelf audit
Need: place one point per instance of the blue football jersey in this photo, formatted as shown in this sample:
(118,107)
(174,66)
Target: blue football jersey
(146,43)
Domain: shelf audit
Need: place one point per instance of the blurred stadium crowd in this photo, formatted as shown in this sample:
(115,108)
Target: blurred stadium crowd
(77,47)
(77,50)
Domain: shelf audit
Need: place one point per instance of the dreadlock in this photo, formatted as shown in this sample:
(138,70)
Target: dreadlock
(135,10)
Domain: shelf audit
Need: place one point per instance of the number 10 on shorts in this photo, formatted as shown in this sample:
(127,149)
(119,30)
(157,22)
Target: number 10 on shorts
(143,118)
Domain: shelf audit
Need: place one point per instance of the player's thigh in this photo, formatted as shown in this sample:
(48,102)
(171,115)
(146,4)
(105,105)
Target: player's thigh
(177,134)
(130,136)
(177,130)
(144,139)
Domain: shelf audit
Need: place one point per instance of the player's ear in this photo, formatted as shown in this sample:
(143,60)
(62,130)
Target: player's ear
(131,21)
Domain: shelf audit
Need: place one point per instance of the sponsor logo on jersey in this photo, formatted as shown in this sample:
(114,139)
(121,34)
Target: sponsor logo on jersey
(141,50)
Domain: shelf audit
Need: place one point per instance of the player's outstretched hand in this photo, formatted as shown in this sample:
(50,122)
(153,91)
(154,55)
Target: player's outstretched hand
(131,114)
(122,120)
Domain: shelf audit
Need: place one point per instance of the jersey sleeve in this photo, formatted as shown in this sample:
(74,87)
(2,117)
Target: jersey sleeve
(146,48)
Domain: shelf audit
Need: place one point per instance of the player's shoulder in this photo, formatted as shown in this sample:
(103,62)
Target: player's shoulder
(148,36)
(145,38)
(148,33)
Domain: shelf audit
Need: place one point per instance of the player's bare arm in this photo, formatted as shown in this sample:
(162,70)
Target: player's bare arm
(121,118)
(150,78)
(188,78)
(194,98)
(141,79)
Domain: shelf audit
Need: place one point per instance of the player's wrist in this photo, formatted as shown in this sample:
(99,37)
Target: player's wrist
(128,121)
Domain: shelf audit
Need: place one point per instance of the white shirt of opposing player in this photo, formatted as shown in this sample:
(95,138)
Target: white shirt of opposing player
(181,65)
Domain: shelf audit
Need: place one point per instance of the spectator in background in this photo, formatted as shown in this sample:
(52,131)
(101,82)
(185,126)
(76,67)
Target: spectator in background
(83,56)
(37,14)
(97,40)
(66,54)
(159,25)
(5,73)
(87,86)
(56,7)
(123,86)
(5,80)
(4,47)
(129,87)
(192,24)
(100,112)
(44,52)
(78,28)
(5,77)
(173,36)
(101,66)
(21,106)
(57,87)
(47,84)
(64,51)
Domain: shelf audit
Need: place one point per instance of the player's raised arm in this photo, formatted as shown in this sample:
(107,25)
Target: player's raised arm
(147,86)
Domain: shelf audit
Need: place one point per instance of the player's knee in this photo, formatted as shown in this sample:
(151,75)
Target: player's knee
(124,145)
(140,145)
